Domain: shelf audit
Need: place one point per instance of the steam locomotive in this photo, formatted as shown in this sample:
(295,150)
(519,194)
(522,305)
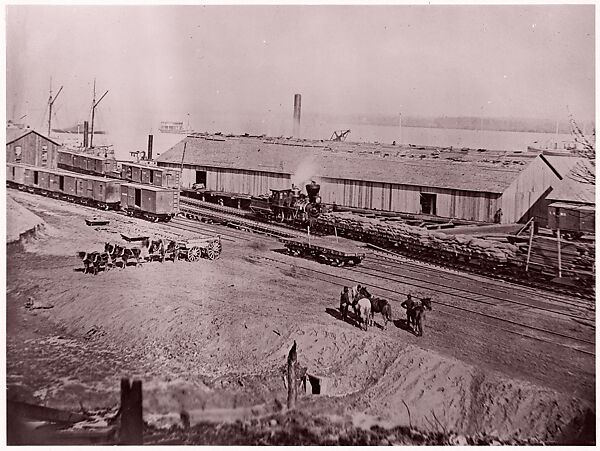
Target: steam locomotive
(289,205)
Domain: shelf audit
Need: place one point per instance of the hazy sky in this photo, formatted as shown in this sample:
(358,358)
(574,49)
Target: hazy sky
(161,62)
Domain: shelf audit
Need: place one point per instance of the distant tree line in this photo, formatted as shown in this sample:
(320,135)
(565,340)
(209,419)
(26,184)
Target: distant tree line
(472,123)
(460,122)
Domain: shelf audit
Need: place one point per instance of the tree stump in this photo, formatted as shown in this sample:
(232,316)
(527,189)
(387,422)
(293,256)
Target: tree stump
(291,378)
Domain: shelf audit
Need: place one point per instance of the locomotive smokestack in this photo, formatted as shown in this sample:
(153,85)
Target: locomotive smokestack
(149,153)
(297,108)
(85,134)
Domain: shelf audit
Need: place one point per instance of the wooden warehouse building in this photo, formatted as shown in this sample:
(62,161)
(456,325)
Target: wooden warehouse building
(451,183)
(24,145)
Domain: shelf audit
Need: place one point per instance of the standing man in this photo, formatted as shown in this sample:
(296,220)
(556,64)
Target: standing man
(344,303)
(409,305)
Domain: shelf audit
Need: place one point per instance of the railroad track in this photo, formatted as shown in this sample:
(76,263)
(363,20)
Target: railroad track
(490,289)
(581,345)
(196,208)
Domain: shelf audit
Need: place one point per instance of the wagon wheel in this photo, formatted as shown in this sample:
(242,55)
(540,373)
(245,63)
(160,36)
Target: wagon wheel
(213,250)
(193,254)
(217,246)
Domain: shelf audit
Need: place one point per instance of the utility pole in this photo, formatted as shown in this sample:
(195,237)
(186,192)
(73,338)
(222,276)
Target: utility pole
(94,105)
(50,103)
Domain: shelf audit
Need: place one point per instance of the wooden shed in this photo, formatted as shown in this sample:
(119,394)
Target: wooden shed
(27,146)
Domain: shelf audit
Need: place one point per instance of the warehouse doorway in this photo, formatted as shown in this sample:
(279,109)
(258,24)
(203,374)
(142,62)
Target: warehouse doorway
(138,197)
(36,179)
(61,182)
(428,203)
(200,179)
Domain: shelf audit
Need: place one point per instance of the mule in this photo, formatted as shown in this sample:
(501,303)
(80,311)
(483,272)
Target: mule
(88,258)
(418,315)
(123,254)
(380,305)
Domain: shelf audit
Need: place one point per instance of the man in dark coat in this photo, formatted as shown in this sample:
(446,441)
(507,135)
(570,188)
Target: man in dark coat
(409,305)
(345,302)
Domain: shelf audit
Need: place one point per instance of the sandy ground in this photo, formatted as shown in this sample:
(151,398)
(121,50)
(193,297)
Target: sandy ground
(214,335)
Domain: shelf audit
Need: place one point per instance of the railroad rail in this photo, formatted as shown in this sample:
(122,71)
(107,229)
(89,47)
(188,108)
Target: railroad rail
(197,209)
(577,344)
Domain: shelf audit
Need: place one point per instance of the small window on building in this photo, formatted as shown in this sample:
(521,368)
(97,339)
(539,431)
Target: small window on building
(13,172)
(44,155)
(151,177)
(129,175)
(100,189)
(18,152)
(428,202)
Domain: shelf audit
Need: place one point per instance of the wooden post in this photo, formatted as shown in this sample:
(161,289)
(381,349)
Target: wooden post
(308,233)
(291,378)
(529,249)
(559,256)
(336,235)
(132,423)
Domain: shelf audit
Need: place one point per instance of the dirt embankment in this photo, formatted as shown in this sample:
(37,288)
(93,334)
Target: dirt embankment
(214,335)
(20,222)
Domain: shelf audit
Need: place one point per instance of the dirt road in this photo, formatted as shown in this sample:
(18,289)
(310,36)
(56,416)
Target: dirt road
(214,335)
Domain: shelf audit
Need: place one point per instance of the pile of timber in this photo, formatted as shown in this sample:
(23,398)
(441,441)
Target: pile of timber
(495,248)
(575,256)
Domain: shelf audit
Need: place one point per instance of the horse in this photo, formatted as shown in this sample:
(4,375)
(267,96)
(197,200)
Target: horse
(418,315)
(349,297)
(380,305)
(363,307)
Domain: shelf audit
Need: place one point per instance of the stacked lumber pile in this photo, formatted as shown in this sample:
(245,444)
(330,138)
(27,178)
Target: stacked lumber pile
(575,257)
(394,232)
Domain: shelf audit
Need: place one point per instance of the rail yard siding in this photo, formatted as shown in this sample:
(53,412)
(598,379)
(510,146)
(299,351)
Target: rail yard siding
(31,149)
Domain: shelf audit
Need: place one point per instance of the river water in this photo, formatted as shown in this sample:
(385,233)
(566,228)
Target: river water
(127,139)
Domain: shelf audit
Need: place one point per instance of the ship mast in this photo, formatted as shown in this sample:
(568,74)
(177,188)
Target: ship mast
(50,103)
(94,105)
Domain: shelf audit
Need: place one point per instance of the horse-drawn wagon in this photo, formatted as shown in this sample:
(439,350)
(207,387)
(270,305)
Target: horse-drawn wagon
(194,249)
(330,250)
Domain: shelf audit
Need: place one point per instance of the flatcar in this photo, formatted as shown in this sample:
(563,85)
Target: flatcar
(87,164)
(289,205)
(87,189)
(572,220)
(149,202)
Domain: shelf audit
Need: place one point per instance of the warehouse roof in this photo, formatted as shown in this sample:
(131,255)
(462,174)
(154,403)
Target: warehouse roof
(461,169)
(571,188)
(15,133)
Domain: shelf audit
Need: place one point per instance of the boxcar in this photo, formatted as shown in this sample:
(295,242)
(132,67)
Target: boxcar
(87,164)
(150,175)
(88,189)
(573,220)
(15,174)
(150,202)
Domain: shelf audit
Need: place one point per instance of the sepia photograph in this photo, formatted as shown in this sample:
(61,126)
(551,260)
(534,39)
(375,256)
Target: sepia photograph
(277,224)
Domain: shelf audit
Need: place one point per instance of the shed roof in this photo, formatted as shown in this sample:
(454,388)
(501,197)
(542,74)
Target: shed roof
(13,134)
(484,171)
(571,188)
